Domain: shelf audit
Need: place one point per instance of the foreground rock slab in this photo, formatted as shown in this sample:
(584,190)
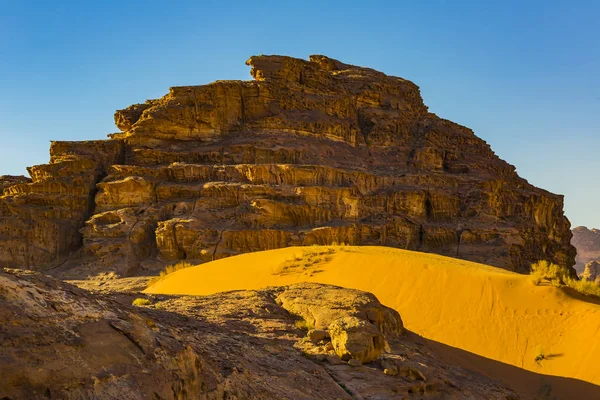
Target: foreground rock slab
(62,342)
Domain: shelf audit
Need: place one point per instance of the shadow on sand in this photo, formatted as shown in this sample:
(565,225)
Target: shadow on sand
(580,296)
(528,384)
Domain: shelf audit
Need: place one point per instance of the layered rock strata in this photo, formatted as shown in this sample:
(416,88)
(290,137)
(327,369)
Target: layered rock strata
(310,152)
(40,218)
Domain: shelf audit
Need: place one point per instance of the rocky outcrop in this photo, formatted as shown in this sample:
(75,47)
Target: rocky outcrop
(587,243)
(591,272)
(356,323)
(61,342)
(40,219)
(10,180)
(309,152)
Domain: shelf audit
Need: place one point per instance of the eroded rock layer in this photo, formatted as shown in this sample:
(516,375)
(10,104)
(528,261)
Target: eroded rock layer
(310,152)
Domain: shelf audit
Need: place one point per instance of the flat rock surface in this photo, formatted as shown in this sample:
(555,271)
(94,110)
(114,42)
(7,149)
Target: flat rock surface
(62,342)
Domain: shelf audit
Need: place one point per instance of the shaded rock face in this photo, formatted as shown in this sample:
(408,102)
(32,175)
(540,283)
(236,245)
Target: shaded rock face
(587,243)
(62,342)
(40,218)
(310,152)
(591,272)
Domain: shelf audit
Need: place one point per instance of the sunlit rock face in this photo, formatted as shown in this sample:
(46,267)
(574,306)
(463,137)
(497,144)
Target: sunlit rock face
(309,152)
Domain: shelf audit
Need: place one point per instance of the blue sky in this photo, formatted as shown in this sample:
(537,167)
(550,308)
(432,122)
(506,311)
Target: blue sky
(524,75)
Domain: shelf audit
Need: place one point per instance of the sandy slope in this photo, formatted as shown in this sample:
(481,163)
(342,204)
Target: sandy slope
(483,310)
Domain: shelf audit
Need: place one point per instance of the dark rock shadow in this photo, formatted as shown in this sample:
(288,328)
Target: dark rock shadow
(580,296)
(528,384)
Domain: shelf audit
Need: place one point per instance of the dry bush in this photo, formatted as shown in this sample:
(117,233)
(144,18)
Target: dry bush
(169,270)
(141,302)
(588,288)
(545,270)
(559,276)
(309,258)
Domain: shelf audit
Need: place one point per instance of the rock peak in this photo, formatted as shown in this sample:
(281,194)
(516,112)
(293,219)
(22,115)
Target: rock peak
(309,152)
(264,66)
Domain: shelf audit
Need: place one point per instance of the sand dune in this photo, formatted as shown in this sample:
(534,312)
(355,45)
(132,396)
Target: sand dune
(486,311)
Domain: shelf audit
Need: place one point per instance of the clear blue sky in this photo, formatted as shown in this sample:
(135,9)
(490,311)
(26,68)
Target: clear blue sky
(524,75)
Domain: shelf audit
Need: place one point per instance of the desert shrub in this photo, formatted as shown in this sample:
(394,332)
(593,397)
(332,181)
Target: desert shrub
(169,270)
(309,259)
(545,270)
(588,288)
(141,302)
(559,276)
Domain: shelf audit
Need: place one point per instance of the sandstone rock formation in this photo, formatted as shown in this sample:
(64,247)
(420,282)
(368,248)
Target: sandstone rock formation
(310,152)
(587,243)
(61,342)
(356,323)
(10,180)
(591,272)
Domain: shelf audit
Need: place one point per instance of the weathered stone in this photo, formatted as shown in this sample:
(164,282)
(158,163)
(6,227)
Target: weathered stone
(411,373)
(61,342)
(592,272)
(355,339)
(317,335)
(355,321)
(354,362)
(587,243)
(310,152)
(10,180)
(40,219)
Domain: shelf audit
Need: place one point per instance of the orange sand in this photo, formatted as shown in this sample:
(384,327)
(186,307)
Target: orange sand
(483,310)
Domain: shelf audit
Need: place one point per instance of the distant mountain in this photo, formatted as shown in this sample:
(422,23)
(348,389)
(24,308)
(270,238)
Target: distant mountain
(587,243)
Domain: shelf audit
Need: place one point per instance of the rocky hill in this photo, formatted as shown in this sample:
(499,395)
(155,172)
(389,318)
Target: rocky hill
(587,243)
(309,152)
(591,272)
(61,342)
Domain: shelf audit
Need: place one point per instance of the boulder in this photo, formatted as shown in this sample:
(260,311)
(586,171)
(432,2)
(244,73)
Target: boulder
(355,321)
